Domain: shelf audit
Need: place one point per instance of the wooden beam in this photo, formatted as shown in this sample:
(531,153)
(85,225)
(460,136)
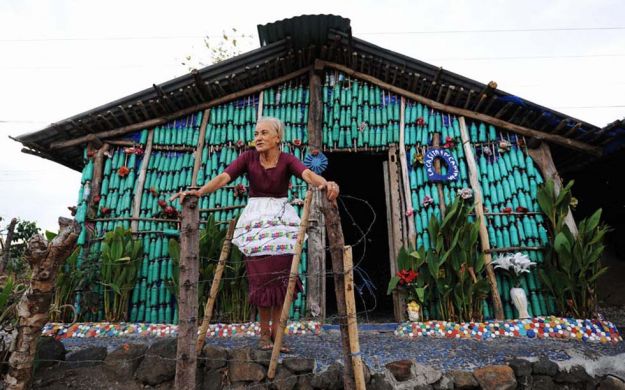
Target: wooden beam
(412,235)
(315,112)
(542,158)
(394,225)
(479,211)
(554,138)
(136,202)
(200,147)
(167,118)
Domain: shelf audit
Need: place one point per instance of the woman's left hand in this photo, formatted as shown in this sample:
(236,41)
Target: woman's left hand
(332,189)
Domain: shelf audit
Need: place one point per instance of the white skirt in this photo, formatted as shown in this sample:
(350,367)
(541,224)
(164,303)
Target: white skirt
(267,226)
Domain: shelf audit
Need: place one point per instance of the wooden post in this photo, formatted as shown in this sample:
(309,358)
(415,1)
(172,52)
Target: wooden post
(394,223)
(284,315)
(98,172)
(200,147)
(479,213)
(260,105)
(212,297)
(186,357)
(34,305)
(412,235)
(316,272)
(136,202)
(6,251)
(352,320)
(316,280)
(336,242)
(542,157)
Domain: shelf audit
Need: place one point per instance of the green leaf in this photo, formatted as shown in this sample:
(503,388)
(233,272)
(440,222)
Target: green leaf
(392,284)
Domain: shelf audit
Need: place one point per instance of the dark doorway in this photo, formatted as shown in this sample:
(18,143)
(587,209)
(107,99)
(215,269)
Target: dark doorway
(360,176)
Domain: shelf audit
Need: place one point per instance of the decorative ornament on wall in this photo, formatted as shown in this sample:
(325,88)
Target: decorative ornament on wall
(452,165)
(316,161)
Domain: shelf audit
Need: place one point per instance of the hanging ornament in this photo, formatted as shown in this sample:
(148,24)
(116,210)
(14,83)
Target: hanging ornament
(504,146)
(105,210)
(417,159)
(123,171)
(465,193)
(316,161)
(297,142)
(427,201)
(420,121)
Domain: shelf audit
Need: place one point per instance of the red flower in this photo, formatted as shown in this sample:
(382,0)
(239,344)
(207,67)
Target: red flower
(153,191)
(170,211)
(240,144)
(420,121)
(521,209)
(449,139)
(96,199)
(407,276)
(162,203)
(297,142)
(123,171)
(507,210)
(105,210)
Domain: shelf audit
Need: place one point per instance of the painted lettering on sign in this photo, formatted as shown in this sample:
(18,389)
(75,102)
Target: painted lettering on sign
(452,165)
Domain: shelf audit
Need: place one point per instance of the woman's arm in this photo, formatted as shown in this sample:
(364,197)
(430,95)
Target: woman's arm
(318,181)
(213,185)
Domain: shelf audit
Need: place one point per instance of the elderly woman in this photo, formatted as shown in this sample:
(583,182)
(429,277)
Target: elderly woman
(267,228)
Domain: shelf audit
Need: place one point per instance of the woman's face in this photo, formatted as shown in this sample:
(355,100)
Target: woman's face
(265,137)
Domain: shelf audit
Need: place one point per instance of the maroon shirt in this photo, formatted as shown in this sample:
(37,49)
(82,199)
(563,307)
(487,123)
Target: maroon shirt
(270,182)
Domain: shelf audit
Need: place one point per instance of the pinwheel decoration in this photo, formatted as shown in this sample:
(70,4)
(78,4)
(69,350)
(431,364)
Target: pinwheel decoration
(316,162)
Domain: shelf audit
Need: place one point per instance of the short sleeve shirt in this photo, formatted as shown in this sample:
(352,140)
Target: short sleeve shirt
(266,182)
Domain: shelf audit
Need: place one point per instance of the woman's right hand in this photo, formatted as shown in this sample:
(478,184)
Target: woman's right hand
(182,194)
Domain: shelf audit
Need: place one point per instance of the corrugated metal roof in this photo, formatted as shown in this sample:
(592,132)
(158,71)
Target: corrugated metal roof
(303,30)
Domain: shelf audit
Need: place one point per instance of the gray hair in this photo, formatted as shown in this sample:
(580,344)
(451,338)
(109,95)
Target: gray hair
(275,123)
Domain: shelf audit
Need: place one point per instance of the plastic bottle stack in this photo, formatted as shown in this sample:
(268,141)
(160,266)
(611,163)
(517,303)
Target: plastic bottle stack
(358,115)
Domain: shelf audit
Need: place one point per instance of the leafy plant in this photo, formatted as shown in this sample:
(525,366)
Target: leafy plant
(231,302)
(120,262)
(407,280)
(449,282)
(10,292)
(573,262)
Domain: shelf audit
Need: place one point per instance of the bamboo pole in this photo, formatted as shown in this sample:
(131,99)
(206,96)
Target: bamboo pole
(412,234)
(352,321)
(212,297)
(479,212)
(186,111)
(186,356)
(200,146)
(284,316)
(136,203)
(554,138)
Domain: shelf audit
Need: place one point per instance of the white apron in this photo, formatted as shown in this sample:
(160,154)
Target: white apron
(267,226)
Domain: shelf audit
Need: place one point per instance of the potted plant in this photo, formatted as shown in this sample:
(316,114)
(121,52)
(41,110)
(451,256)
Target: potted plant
(516,265)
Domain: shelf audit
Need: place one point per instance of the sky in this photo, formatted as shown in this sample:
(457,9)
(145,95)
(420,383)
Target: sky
(61,58)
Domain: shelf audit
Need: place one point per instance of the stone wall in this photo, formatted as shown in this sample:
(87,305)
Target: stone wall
(137,366)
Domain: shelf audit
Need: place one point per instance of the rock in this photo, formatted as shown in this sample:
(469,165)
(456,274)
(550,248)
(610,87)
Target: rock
(214,357)
(464,380)
(299,365)
(213,380)
(242,367)
(425,375)
(331,378)
(521,367)
(495,377)
(379,382)
(159,363)
(284,379)
(87,357)
(576,374)
(445,383)
(544,366)
(401,369)
(261,357)
(304,382)
(49,351)
(542,382)
(124,360)
(611,382)
(524,382)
